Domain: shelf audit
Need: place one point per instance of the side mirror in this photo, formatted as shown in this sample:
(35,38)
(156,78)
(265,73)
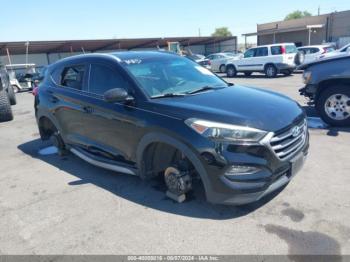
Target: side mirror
(117,95)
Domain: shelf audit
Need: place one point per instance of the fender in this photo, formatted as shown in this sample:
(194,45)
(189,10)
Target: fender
(48,115)
(162,138)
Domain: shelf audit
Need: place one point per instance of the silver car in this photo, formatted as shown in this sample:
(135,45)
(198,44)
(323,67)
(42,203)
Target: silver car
(219,61)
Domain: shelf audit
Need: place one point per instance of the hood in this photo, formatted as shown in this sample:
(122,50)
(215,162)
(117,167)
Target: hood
(237,105)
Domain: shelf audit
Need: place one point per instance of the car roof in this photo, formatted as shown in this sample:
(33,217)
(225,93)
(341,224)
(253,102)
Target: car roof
(128,55)
(315,46)
(279,44)
(116,56)
(219,53)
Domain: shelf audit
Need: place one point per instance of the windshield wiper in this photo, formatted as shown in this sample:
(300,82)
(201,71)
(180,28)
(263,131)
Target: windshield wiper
(168,95)
(203,89)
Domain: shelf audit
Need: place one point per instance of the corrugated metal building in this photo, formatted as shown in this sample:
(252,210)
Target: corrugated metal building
(43,53)
(333,27)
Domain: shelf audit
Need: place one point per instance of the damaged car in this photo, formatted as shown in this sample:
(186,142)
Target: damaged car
(154,114)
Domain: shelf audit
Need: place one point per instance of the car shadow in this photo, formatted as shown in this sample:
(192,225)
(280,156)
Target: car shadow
(150,194)
(331,131)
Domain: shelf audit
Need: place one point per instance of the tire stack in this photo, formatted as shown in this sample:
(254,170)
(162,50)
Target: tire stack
(5,107)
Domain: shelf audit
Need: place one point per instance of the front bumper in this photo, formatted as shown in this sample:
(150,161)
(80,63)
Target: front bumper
(273,173)
(309,91)
(278,180)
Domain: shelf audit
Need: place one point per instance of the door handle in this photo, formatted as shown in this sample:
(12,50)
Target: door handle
(88,109)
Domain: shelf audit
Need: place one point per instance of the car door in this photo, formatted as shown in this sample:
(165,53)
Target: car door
(313,54)
(66,100)
(260,60)
(214,62)
(112,127)
(307,53)
(247,63)
(220,60)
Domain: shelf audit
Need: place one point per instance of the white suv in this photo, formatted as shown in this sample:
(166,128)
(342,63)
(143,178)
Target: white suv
(313,52)
(269,59)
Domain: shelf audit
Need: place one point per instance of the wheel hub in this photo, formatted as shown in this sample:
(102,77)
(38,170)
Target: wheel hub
(178,182)
(337,107)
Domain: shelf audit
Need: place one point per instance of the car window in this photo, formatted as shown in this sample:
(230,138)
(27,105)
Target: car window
(261,51)
(210,57)
(306,51)
(314,50)
(345,48)
(291,49)
(171,74)
(104,78)
(249,53)
(73,77)
(303,50)
(276,50)
(329,49)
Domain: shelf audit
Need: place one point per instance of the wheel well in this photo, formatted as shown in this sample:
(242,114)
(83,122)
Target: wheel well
(158,156)
(46,128)
(231,65)
(269,64)
(331,82)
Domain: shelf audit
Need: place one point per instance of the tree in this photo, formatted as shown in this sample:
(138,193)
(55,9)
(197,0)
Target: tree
(297,14)
(222,31)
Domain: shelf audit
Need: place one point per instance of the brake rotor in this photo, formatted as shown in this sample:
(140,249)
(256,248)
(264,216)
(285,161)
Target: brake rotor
(178,182)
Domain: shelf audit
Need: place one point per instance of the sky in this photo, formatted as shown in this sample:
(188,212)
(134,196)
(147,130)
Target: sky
(22,20)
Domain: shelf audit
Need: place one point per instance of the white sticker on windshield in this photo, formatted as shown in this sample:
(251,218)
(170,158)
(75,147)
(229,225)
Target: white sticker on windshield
(204,71)
(133,61)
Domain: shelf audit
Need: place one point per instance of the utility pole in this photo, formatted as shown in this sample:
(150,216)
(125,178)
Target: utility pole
(319,10)
(27,50)
(199,32)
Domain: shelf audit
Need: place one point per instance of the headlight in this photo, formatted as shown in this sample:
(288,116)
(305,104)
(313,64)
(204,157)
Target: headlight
(225,132)
(307,77)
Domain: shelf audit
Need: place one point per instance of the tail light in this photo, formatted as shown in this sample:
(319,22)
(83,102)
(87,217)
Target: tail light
(35,91)
(283,49)
(209,62)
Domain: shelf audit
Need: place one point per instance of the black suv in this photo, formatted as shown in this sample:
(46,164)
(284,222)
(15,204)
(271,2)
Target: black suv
(156,113)
(328,88)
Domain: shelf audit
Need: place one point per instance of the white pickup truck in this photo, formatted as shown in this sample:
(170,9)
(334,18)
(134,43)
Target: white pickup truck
(269,59)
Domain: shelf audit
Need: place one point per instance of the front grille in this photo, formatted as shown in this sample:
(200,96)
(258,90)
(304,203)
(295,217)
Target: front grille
(289,143)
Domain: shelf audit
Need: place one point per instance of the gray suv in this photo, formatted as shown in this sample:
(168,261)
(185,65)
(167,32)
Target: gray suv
(328,88)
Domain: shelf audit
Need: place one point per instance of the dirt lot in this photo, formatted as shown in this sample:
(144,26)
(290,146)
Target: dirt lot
(62,205)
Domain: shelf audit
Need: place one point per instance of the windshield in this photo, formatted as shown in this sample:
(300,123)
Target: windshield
(166,75)
(291,49)
(343,49)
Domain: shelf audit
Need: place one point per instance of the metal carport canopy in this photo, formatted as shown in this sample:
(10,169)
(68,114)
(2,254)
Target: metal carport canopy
(36,47)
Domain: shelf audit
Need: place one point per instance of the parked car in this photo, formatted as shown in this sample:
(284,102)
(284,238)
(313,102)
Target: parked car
(7,97)
(200,59)
(313,52)
(344,51)
(219,61)
(327,85)
(21,76)
(268,59)
(156,113)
